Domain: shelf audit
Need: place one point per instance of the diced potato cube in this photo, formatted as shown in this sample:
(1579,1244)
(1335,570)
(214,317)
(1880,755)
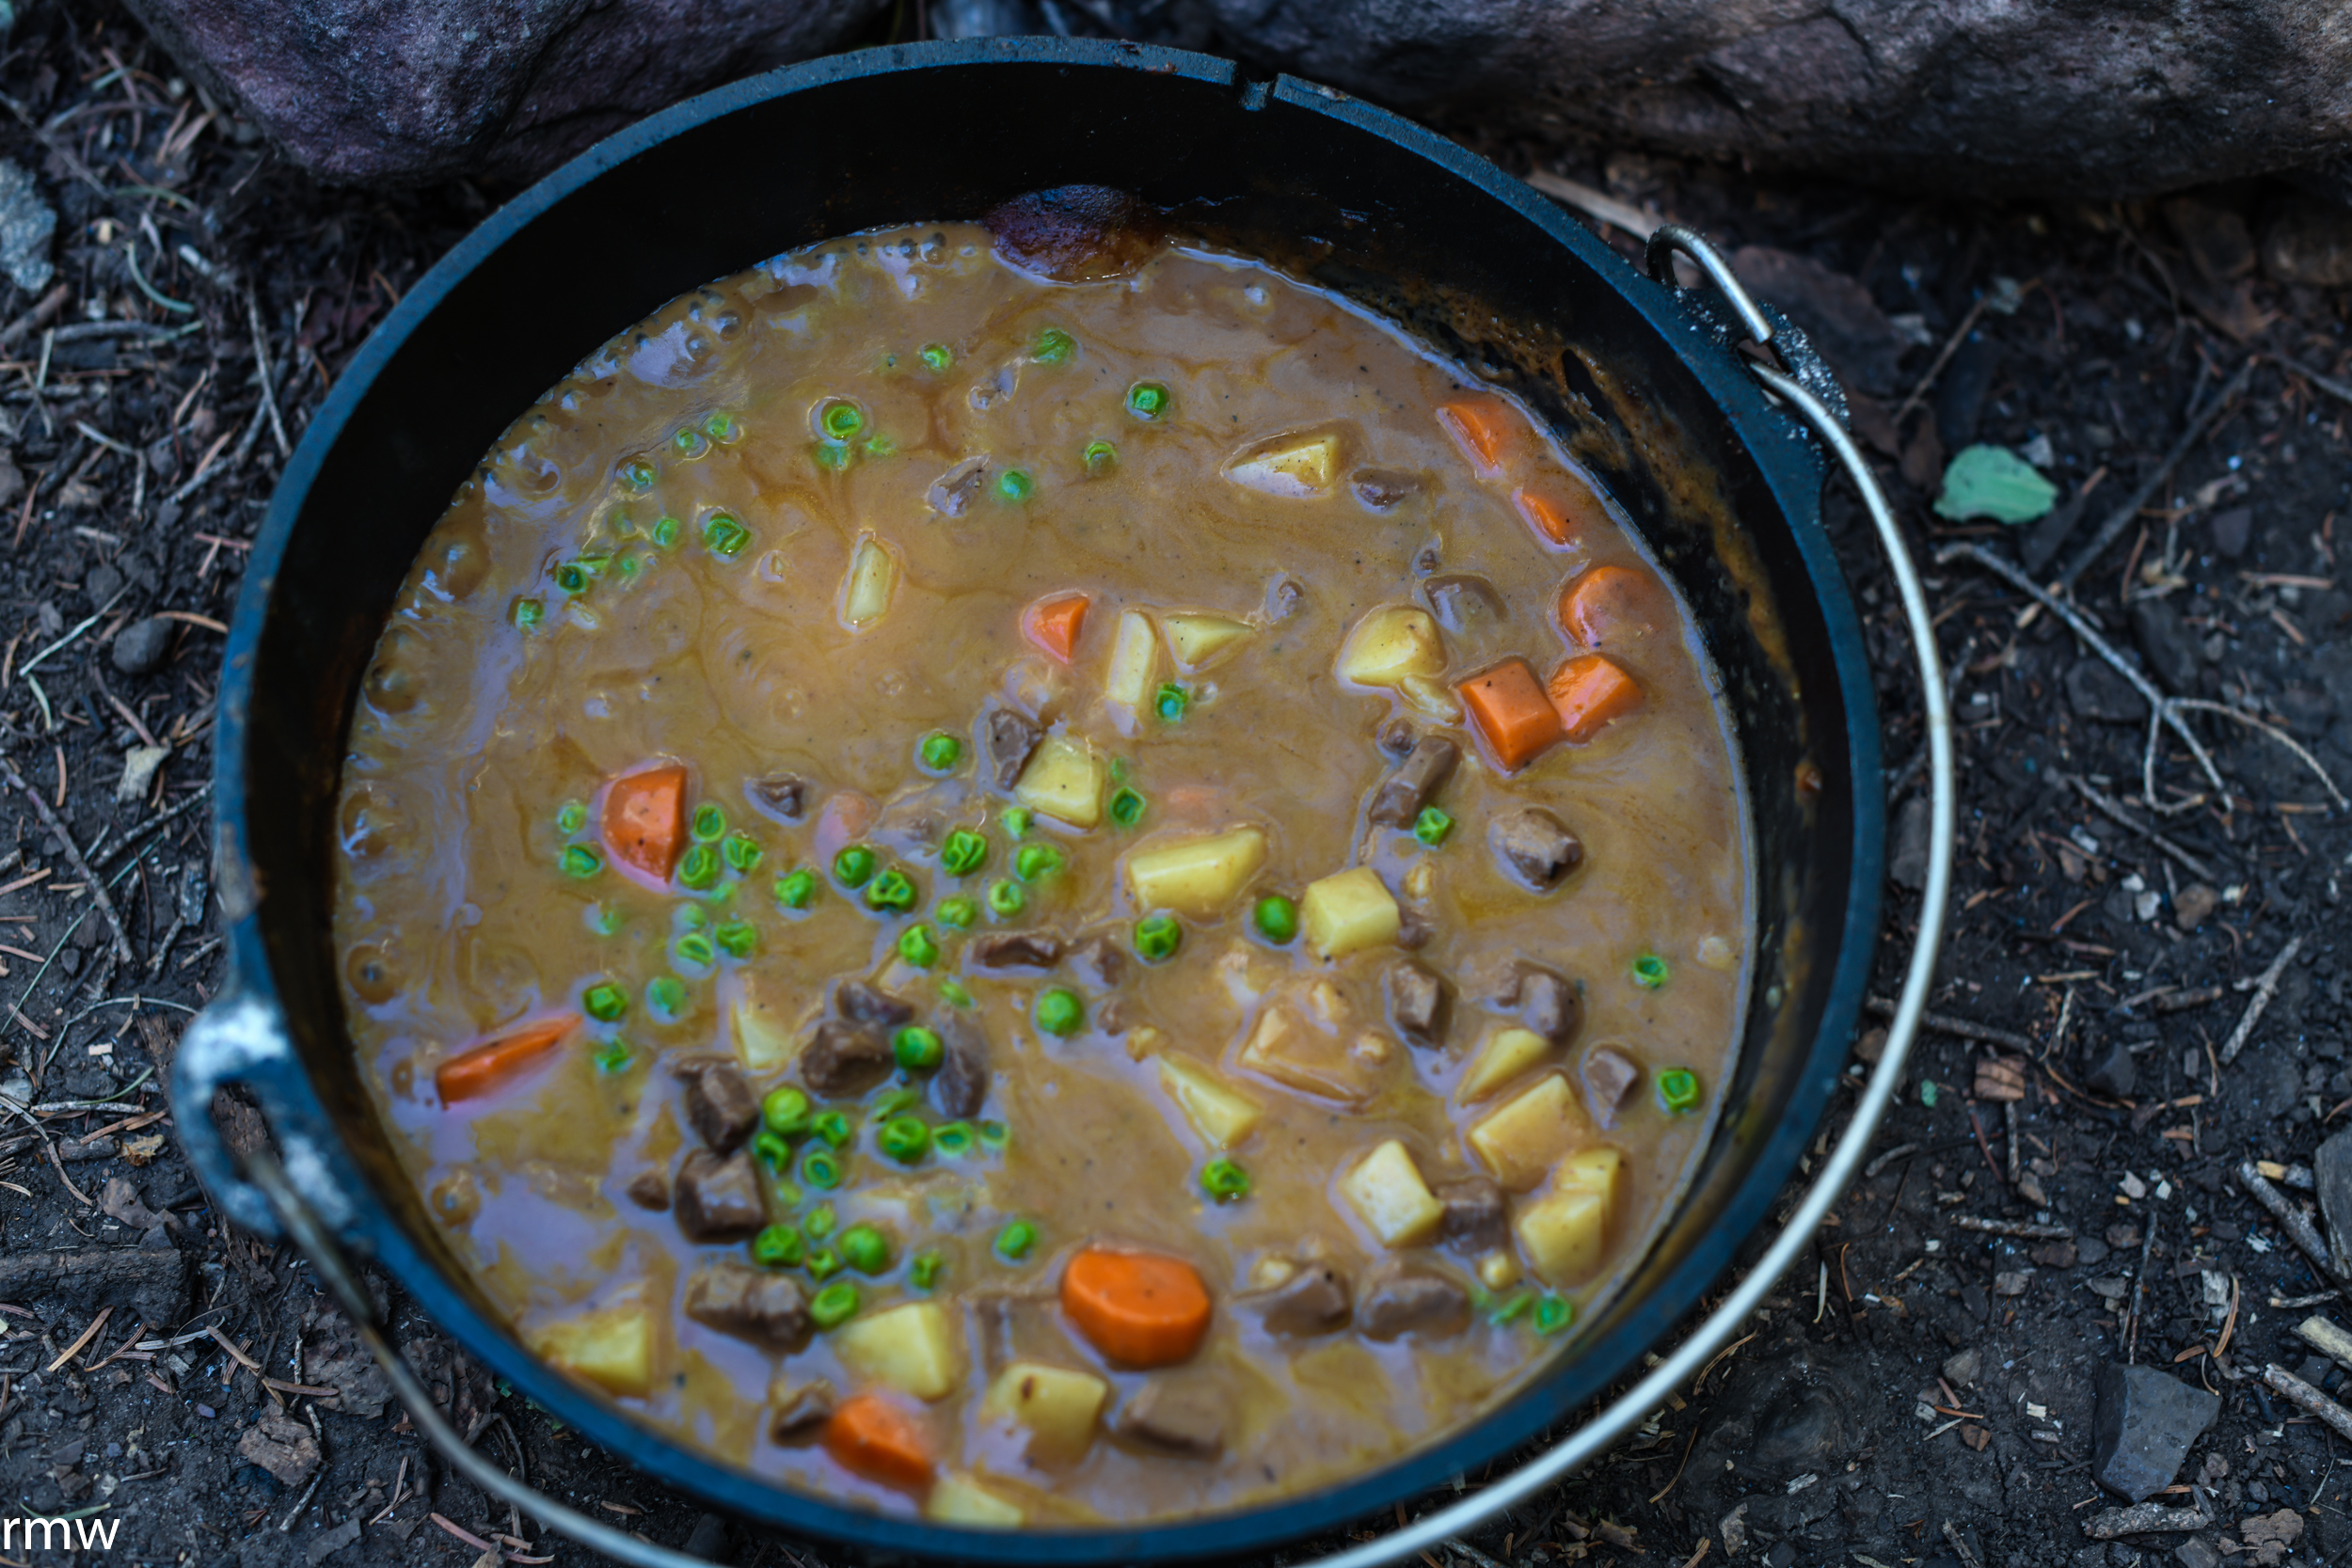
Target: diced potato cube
(1222,1115)
(1297,1056)
(1391,644)
(1064,781)
(1431,699)
(1134,676)
(960,1500)
(1057,1406)
(1387,1193)
(912,1348)
(1519,1141)
(1506,1054)
(873,579)
(1598,1169)
(765,1040)
(1196,642)
(1348,912)
(1196,875)
(611,1347)
(1294,466)
(1565,1234)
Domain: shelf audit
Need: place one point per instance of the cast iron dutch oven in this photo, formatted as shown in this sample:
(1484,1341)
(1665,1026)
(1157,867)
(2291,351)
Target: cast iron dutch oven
(1640,376)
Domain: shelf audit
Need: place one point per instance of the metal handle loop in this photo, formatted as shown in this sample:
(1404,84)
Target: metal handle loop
(1673,237)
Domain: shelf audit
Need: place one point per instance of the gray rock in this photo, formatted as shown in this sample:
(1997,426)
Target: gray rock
(1909,868)
(26,224)
(139,647)
(2331,1171)
(2097,691)
(2196,1552)
(2144,1421)
(2111,1073)
(1960,1367)
(2232,531)
(2168,645)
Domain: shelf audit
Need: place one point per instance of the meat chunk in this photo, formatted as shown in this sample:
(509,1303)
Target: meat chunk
(1533,846)
(718,1198)
(1421,1002)
(796,1410)
(953,491)
(1180,1417)
(1398,800)
(749,1303)
(1609,1079)
(1011,736)
(1099,961)
(1382,489)
(1464,601)
(780,795)
(1396,739)
(650,1189)
(843,1058)
(1548,1004)
(959,1088)
(1284,596)
(1315,1300)
(860,1003)
(1475,1214)
(1407,1300)
(1015,950)
(719,1102)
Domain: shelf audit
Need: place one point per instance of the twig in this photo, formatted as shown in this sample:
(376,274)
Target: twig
(1960,1544)
(2139,1287)
(1598,205)
(2263,990)
(2201,706)
(73,853)
(1678,1470)
(1695,1557)
(1871,1171)
(34,663)
(2296,1224)
(122,846)
(1943,1024)
(2328,1339)
(2163,709)
(2309,1398)
(2327,384)
(2018,1228)
(2011,1144)
(2120,518)
(1943,357)
(2113,810)
(1454,1544)
(87,1335)
(261,366)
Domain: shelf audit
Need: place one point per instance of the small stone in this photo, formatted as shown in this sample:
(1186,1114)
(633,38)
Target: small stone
(2196,1552)
(26,223)
(1962,1368)
(102,584)
(2232,530)
(2090,1251)
(2169,646)
(2097,692)
(2142,1428)
(2011,1282)
(138,771)
(1975,1435)
(2111,1071)
(1910,865)
(2057,1255)
(2122,1236)
(2192,904)
(2332,1173)
(140,648)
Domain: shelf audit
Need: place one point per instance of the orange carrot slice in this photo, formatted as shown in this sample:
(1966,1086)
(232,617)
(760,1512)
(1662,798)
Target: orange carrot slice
(1589,692)
(1052,624)
(1482,428)
(1508,705)
(1143,1308)
(874,1437)
(1610,607)
(644,820)
(501,1061)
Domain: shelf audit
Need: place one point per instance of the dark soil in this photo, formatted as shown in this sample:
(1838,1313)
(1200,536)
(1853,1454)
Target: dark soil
(1826,1435)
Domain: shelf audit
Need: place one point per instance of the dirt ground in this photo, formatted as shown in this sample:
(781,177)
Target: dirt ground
(1918,1392)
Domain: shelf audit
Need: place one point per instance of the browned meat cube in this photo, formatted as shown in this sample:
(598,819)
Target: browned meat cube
(1464,601)
(1421,1002)
(1016,950)
(650,1189)
(717,1199)
(1099,961)
(846,1058)
(1382,489)
(719,1104)
(1398,800)
(1395,739)
(781,794)
(1011,736)
(1533,847)
(749,1304)
(860,1003)
(796,1410)
(1408,1300)
(1315,1299)
(1609,1079)
(959,1088)
(1474,1213)
(1550,1004)
(1180,1417)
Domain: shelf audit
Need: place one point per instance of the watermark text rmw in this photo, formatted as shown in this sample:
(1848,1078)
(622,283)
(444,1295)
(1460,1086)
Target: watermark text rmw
(58,1535)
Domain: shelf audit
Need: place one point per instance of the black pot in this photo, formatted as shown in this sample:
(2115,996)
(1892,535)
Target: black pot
(1722,487)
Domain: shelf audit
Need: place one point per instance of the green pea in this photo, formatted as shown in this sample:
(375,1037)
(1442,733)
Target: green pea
(1054,347)
(823,1262)
(834,1127)
(994,1135)
(841,419)
(614,1055)
(1513,1309)
(1015,1241)
(954,993)
(1148,400)
(527,613)
(855,866)
(580,860)
(1678,1090)
(865,1250)
(1127,808)
(833,455)
(696,950)
(691,442)
(698,868)
(918,946)
(1432,826)
(1059,1013)
(604,1001)
(1224,1181)
(1277,919)
(939,750)
(722,426)
(603,919)
(638,473)
(665,997)
(917,1049)
(1157,937)
(737,939)
(958,912)
(741,852)
(572,577)
(796,890)
(689,917)
(923,1273)
(963,853)
(1036,862)
(1650,971)
(773,1149)
(1006,900)
(1015,486)
(777,1247)
(937,356)
(952,1138)
(833,1306)
(891,1102)
(1171,702)
(1017,820)
(892,891)
(709,824)
(726,536)
(665,532)
(1553,1314)
(571,817)
(820,1168)
(905,1139)
(1099,457)
(785,1111)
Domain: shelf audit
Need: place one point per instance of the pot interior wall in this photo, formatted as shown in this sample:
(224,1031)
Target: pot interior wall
(1334,191)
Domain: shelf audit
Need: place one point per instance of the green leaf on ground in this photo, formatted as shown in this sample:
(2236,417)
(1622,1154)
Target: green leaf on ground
(1995,482)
